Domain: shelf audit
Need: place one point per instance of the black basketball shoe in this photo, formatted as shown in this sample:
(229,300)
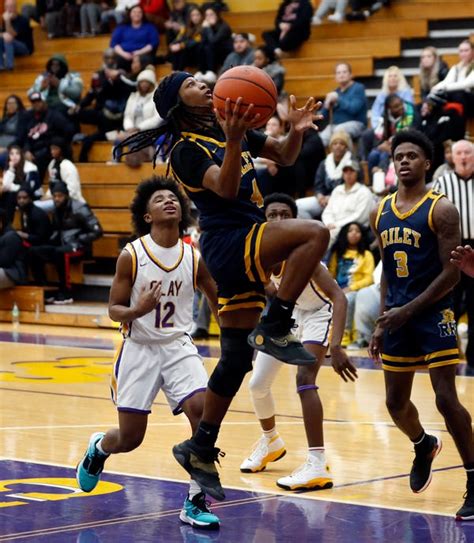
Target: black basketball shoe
(420,475)
(467,510)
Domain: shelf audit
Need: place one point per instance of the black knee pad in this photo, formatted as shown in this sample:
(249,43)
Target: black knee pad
(234,363)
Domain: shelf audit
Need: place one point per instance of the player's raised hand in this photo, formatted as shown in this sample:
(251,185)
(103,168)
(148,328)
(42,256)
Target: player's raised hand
(237,120)
(149,297)
(463,258)
(375,345)
(303,118)
(342,364)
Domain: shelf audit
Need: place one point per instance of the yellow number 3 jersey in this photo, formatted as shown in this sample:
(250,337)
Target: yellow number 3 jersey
(410,248)
(176,267)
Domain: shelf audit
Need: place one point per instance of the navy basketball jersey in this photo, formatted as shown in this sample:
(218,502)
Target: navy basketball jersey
(216,212)
(410,248)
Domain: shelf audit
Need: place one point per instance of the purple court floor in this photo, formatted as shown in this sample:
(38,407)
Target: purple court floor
(41,503)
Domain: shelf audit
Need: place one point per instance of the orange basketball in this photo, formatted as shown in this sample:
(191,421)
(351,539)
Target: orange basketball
(254,86)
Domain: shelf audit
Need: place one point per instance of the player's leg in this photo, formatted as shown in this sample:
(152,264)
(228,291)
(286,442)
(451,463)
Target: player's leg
(302,245)
(270,446)
(313,473)
(459,424)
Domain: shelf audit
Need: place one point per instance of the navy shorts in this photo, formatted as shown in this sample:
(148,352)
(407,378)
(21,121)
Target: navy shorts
(428,341)
(233,259)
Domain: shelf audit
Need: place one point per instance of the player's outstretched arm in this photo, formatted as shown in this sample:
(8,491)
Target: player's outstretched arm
(121,290)
(339,359)
(463,258)
(207,286)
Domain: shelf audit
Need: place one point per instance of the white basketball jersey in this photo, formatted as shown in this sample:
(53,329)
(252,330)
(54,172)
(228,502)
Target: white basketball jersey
(176,267)
(311,299)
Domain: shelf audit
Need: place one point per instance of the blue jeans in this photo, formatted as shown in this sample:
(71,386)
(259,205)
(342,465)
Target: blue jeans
(11,50)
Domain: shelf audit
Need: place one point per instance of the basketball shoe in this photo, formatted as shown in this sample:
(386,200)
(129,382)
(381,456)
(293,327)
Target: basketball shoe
(421,472)
(264,451)
(199,462)
(312,475)
(91,466)
(467,510)
(197,513)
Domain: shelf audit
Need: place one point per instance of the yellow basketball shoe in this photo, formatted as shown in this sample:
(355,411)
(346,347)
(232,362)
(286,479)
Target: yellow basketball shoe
(312,475)
(264,451)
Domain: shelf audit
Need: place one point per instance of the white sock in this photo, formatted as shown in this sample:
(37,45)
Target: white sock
(318,453)
(269,434)
(98,446)
(194,489)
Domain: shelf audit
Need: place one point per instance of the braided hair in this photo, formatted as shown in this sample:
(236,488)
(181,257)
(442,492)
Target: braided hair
(165,135)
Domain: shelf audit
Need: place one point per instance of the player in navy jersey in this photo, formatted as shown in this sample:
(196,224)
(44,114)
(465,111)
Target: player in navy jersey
(212,157)
(417,229)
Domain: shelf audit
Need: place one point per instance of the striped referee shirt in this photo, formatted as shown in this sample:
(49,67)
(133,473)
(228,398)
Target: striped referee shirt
(461,193)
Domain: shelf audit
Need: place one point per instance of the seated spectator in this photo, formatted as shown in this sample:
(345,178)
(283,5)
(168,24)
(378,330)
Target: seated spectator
(89,13)
(176,21)
(292,26)
(265,59)
(137,37)
(366,311)
(363,9)
(40,125)
(458,85)
(156,12)
(398,115)
(59,88)
(346,107)
(116,14)
(21,173)
(16,37)
(328,176)
(60,170)
(10,125)
(216,44)
(140,111)
(352,266)
(12,264)
(185,49)
(242,55)
(433,69)
(439,123)
(35,226)
(448,164)
(74,228)
(53,20)
(339,7)
(393,82)
(350,202)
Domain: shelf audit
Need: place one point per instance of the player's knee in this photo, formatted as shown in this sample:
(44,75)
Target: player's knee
(318,233)
(234,363)
(305,376)
(445,402)
(258,388)
(394,405)
(130,441)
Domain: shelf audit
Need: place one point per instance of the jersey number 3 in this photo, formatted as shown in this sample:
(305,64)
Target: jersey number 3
(402,266)
(164,320)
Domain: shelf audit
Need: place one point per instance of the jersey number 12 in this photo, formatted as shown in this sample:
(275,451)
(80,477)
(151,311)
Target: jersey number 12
(164,315)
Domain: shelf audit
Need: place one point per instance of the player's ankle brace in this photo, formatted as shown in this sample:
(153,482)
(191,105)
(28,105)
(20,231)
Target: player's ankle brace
(234,363)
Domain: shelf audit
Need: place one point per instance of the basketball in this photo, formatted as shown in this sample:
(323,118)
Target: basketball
(254,86)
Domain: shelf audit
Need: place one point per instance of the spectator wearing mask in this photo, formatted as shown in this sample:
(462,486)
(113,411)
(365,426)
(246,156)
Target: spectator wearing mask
(74,228)
(346,107)
(350,202)
(59,88)
(41,124)
(16,36)
(12,252)
(137,37)
(393,82)
(328,176)
(459,188)
(292,26)
(242,55)
(265,59)
(185,49)
(21,173)
(35,226)
(433,69)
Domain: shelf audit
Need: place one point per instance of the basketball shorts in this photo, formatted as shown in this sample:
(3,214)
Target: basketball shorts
(233,259)
(427,341)
(141,370)
(313,326)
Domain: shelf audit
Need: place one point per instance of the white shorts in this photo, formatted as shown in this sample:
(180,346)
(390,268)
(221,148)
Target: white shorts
(314,326)
(141,370)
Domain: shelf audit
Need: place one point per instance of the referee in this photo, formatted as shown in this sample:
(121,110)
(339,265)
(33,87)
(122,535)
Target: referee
(459,188)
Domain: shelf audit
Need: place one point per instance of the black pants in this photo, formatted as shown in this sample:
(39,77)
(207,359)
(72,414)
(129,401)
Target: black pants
(290,42)
(104,125)
(464,301)
(38,256)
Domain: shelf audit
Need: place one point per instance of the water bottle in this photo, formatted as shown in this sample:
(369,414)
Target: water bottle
(15,315)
